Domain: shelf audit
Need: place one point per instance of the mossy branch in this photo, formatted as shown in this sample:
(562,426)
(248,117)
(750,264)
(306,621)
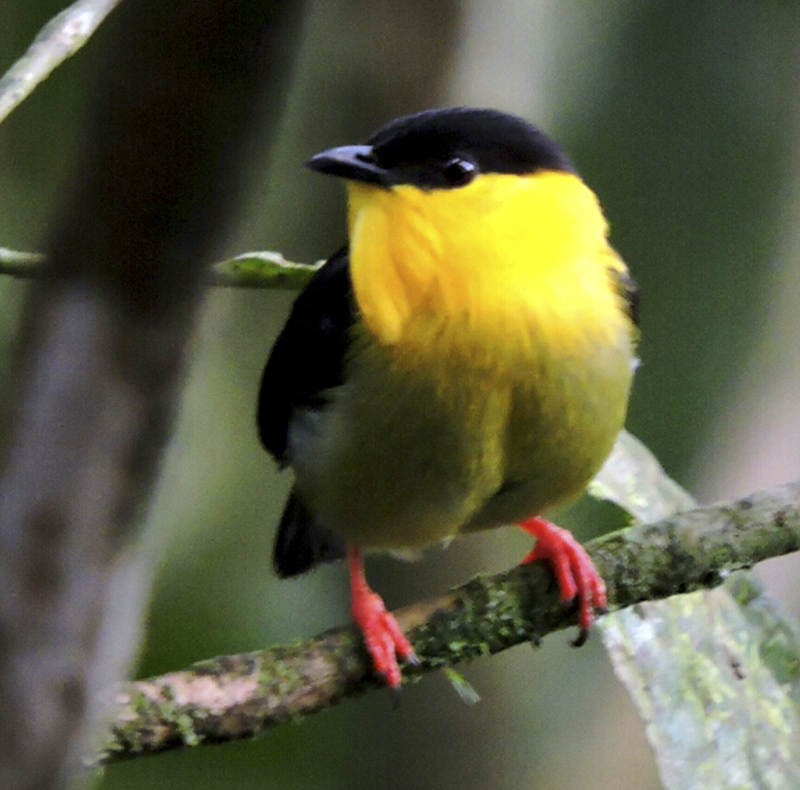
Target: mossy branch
(243,695)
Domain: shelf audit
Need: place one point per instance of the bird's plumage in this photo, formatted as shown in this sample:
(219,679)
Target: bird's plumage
(307,360)
(466,361)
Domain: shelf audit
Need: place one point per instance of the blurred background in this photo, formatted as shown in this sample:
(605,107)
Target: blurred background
(683,117)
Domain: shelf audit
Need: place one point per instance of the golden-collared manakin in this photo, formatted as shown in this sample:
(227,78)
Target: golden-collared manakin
(462,364)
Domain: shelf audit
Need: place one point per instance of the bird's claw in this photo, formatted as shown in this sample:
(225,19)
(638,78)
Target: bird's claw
(573,568)
(383,637)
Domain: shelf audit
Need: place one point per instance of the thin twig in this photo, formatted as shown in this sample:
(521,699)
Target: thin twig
(251,270)
(241,696)
(58,40)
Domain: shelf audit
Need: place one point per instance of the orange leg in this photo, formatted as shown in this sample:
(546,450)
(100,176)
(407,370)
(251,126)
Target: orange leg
(574,570)
(382,635)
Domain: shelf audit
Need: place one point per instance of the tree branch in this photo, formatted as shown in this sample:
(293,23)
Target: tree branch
(58,40)
(263,269)
(241,696)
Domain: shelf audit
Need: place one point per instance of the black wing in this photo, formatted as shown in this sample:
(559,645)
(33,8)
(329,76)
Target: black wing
(308,356)
(307,359)
(629,291)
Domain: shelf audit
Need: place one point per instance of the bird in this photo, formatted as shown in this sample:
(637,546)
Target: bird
(463,363)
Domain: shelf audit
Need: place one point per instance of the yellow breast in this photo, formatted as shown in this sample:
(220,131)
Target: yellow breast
(490,371)
(508,260)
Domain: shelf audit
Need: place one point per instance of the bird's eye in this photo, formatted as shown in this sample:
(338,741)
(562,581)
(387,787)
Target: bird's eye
(458,171)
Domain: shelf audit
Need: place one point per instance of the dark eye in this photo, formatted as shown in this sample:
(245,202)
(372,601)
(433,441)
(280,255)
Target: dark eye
(459,171)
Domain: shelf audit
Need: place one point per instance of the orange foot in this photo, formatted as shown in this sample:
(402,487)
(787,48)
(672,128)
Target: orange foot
(382,635)
(575,572)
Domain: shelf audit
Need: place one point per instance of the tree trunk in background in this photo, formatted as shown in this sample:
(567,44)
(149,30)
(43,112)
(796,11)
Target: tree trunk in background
(101,353)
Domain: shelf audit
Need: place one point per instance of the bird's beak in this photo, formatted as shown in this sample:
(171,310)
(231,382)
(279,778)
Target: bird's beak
(354,162)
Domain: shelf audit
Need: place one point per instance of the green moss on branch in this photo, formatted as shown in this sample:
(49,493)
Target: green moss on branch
(241,696)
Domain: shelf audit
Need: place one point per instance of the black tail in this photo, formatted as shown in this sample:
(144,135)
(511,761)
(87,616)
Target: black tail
(301,542)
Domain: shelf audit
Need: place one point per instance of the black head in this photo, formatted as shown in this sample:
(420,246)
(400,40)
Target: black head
(445,149)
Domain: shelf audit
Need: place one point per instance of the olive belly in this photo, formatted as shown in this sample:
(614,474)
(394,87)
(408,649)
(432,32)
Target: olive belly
(400,459)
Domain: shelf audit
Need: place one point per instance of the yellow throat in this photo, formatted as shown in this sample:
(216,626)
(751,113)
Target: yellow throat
(519,259)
